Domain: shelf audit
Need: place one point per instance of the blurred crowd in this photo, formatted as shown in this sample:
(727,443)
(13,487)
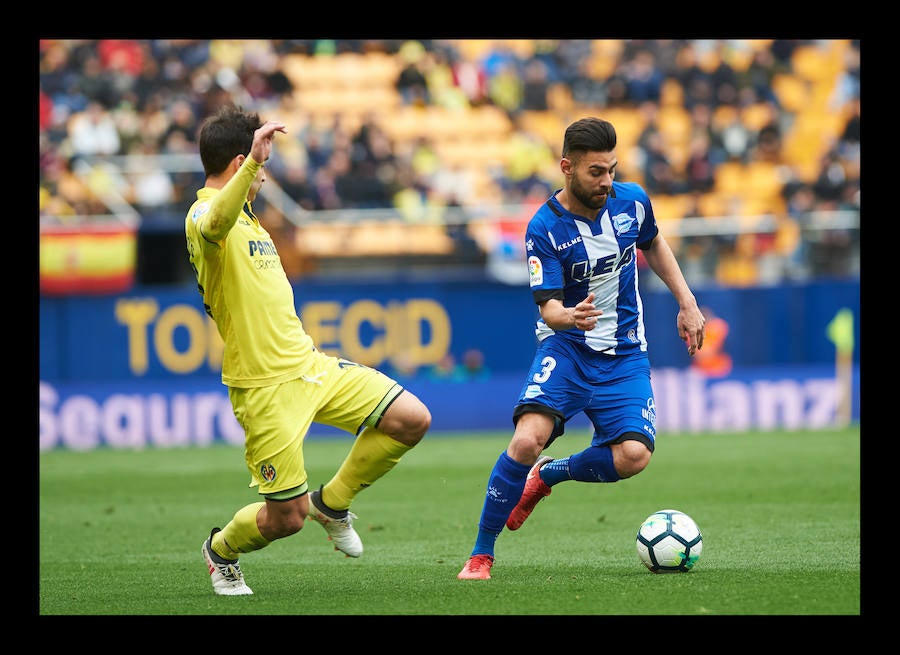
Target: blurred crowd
(732,100)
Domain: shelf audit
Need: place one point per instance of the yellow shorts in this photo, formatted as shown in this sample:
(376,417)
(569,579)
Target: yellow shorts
(276,419)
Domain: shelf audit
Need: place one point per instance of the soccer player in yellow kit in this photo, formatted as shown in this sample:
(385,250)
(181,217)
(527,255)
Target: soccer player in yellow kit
(278,382)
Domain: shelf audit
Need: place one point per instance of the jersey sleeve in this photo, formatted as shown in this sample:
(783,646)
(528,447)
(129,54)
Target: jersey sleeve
(545,275)
(647,222)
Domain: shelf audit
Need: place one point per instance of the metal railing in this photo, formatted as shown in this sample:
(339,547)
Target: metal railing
(812,225)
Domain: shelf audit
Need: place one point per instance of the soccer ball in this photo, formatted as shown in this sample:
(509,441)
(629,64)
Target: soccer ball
(669,541)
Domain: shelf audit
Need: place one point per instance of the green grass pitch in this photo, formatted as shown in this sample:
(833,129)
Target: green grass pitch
(120,533)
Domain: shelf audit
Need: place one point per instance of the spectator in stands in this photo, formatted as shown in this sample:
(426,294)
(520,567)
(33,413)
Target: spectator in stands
(181,119)
(470,78)
(442,89)
(60,78)
(657,170)
(500,57)
(412,83)
(699,168)
(736,139)
(724,78)
(473,365)
(831,180)
(535,86)
(768,144)
(642,78)
(702,121)
(94,82)
(94,132)
(505,87)
(143,86)
(848,145)
(570,56)
(530,167)
(846,88)
(696,82)
(782,50)
(152,189)
(760,75)
(587,90)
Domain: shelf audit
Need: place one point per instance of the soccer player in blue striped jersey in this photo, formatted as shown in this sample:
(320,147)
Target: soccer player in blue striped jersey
(591,355)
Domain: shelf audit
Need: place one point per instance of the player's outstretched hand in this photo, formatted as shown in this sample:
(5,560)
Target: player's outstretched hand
(262,140)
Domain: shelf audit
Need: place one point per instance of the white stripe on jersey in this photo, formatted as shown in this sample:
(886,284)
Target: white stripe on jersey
(605,287)
(640,211)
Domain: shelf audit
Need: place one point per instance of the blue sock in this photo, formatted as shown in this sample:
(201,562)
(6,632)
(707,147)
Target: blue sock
(592,465)
(555,471)
(504,489)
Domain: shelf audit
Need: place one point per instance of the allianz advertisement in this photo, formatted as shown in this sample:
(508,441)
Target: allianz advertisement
(142,369)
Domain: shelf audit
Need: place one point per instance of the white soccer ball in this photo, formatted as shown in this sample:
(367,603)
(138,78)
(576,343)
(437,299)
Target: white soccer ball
(669,541)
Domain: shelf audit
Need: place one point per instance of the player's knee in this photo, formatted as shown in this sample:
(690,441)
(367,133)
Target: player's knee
(525,448)
(422,424)
(631,457)
(415,425)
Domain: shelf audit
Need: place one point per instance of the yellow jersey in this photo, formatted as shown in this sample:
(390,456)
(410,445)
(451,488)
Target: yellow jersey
(247,293)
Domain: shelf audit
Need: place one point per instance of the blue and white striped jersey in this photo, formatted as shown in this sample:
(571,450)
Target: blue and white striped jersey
(566,251)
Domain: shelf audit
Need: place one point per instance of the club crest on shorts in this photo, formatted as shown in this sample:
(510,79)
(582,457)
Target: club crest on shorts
(267,471)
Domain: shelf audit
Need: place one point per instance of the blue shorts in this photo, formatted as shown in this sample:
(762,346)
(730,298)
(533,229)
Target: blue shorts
(614,392)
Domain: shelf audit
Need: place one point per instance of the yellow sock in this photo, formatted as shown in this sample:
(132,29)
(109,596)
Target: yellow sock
(373,454)
(241,534)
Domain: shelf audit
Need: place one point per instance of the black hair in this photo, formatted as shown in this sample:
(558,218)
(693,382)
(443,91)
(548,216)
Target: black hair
(225,135)
(589,135)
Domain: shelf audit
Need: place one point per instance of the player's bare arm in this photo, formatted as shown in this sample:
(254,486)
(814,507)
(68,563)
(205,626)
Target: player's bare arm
(582,316)
(690,321)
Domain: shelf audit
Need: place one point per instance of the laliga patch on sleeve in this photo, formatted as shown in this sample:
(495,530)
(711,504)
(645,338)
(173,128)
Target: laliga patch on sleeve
(535,271)
(199,211)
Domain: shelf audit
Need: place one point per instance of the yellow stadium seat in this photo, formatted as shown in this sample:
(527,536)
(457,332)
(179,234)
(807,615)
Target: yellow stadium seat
(629,124)
(675,123)
(405,124)
(429,239)
(473,49)
(548,125)
(810,137)
(559,98)
(737,271)
(715,204)
(762,180)
(321,239)
(671,94)
(758,115)
(729,178)
(670,208)
(816,62)
(723,116)
(793,92)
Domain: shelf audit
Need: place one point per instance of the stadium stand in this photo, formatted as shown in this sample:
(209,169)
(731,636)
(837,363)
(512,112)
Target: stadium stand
(363,144)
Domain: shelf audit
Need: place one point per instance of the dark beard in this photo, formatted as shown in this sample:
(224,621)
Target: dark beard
(586,199)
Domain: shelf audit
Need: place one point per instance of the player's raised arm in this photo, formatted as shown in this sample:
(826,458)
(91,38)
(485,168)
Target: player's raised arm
(262,140)
(226,207)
